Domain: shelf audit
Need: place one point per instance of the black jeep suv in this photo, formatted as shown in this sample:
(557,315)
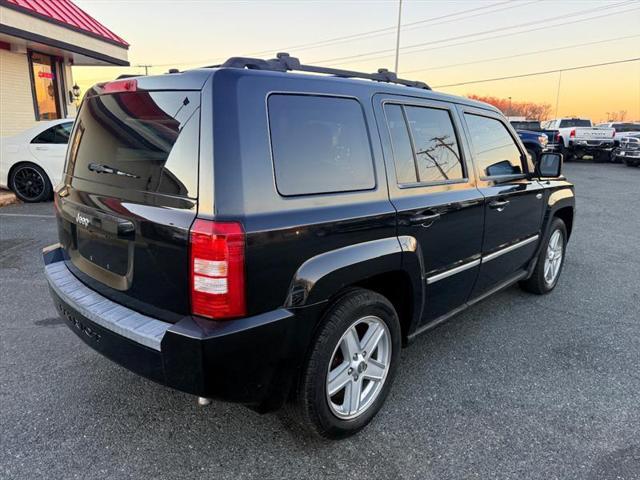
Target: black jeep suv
(249,234)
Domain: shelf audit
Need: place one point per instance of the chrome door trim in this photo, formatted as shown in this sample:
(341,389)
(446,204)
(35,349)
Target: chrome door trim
(510,248)
(453,271)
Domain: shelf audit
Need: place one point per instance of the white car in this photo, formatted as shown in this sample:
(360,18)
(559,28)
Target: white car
(32,161)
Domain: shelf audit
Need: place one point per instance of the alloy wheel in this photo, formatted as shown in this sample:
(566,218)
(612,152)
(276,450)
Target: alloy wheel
(28,183)
(553,257)
(358,367)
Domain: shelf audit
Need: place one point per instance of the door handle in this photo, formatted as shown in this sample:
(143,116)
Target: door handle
(424,219)
(499,204)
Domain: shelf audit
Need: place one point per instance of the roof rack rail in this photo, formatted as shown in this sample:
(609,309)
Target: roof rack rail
(284,62)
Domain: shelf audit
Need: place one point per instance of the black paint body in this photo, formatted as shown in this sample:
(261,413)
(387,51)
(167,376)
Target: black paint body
(301,251)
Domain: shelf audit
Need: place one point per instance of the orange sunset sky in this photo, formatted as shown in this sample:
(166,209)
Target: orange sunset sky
(442,43)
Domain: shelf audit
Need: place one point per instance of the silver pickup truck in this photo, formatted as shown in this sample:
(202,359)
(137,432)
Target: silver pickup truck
(578,137)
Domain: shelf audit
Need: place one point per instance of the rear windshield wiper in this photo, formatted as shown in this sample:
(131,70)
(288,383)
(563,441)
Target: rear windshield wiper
(100,168)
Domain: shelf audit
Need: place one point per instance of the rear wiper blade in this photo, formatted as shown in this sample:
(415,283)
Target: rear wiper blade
(100,168)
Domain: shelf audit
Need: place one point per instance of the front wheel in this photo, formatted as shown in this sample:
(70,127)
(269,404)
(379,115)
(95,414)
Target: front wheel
(351,366)
(550,261)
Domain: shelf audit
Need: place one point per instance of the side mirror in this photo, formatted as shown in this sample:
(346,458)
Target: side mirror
(550,165)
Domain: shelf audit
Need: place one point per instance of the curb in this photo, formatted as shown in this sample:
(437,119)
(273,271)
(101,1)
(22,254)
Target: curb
(7,198)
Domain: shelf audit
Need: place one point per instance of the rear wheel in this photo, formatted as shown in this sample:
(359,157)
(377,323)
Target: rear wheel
(631,163)
(30,183)
(550,261)
(351,366)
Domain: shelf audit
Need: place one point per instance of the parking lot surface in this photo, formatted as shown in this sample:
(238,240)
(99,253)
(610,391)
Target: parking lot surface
(518,387)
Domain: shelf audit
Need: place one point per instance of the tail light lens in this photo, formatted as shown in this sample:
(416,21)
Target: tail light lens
(572,134)
(217,269)
(557,137)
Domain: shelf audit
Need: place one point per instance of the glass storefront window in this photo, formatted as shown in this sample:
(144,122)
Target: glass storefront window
(45,87)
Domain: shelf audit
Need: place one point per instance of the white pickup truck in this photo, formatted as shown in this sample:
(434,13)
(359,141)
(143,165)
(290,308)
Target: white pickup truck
(578,137)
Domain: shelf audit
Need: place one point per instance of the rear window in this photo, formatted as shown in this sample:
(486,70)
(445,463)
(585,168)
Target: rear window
(626,127)
(145,141)
(525,125)
(319,145)
(574,122)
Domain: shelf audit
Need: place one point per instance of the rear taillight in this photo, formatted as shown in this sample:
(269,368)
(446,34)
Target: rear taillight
(217,269)
(572,134)
(557,138)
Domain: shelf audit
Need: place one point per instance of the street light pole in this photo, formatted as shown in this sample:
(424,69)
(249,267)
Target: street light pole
(558,94)
(398,35)
(146,68)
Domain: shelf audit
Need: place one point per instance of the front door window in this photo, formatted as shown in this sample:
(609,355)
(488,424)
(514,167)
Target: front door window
(45,87)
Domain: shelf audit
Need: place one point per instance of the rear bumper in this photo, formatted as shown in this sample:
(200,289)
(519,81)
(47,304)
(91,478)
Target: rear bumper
(584,145)
(251,360)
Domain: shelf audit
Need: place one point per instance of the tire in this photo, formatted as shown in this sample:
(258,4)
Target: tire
(630,163)
(533,155)
(332,416)
(30,183)
(540,283)
(567,155)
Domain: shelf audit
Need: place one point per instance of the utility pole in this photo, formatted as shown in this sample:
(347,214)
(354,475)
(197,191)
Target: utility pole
(398,35)
(558,94)
(146,68)
(509,105)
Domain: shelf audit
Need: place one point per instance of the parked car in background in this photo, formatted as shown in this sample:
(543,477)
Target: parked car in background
(535,143)
(536,127)
(32,161)
(259,236)
(578,138)
(629,150)
(623,129)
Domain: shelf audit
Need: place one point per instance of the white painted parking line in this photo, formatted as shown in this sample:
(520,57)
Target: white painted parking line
(26,215)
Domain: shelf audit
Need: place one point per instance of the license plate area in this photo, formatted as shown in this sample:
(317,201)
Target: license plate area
(109,254)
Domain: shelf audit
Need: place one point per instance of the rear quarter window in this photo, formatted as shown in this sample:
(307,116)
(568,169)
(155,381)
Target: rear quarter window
(319,144)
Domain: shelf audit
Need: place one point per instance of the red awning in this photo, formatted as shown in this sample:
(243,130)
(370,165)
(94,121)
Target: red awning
(64,12)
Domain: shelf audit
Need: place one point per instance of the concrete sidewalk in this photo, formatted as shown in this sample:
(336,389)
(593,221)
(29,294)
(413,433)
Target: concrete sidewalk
(7,198)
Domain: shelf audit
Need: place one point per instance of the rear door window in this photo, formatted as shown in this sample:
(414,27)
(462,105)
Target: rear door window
(495,151)
(425,147)
(58,134)
(145,141)
(436,147)
(320,144)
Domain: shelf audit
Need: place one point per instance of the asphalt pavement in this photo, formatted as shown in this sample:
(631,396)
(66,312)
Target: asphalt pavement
(517,387)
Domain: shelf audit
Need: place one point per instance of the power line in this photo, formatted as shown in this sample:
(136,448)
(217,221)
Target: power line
(475,34)
(370,33)
(567,69)
(383,31)
(502,35)
(554,49)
